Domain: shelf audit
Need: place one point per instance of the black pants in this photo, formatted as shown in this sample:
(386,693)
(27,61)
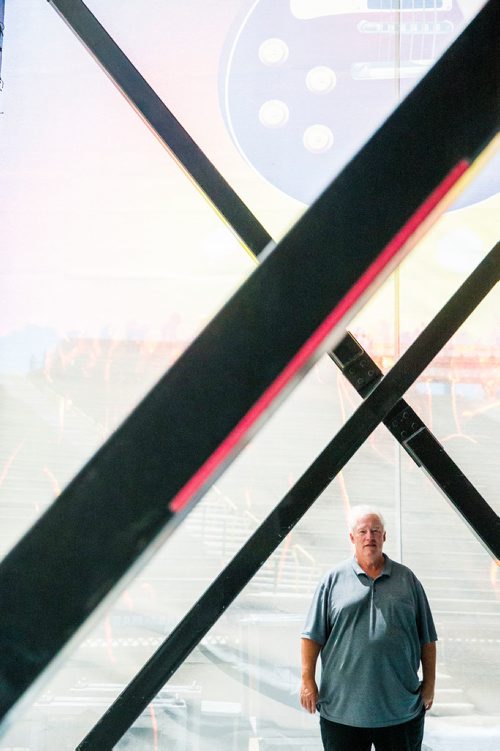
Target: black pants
(405,737)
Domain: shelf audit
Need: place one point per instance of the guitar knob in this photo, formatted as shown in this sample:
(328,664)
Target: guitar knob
(273,52)
(318,139)
(321,80)
(274,113)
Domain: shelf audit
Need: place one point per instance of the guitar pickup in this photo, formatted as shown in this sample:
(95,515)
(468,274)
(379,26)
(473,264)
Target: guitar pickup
(387,70)
(305,10)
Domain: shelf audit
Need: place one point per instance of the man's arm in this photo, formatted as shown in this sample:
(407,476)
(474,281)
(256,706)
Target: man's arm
(428,657)
(309,689)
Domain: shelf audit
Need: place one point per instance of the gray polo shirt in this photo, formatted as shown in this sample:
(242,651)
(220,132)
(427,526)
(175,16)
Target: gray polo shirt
(371,632)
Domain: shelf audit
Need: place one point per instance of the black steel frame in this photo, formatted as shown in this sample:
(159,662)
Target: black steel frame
(162,122)
(348,355)
(247,355)
(382,404)
(423,447)
(405,425)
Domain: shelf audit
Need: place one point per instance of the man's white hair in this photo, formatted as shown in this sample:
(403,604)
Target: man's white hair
(357,512)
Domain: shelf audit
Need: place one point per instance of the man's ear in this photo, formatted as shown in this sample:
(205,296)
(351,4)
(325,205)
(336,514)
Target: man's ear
(351,537)
(385,536)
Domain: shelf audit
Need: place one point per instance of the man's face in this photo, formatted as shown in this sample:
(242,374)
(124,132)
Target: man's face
(368,538)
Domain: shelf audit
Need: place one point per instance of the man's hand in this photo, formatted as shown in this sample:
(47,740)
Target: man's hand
(309,695)
(427,694)
(428,657)
(308,688)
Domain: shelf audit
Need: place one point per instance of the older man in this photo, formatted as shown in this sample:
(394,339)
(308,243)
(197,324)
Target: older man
(371,623)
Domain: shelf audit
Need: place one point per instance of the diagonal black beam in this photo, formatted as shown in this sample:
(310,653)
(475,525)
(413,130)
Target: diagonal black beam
(460,492)
(153,469)
(422,446)
(182,147)
(348,355)
(162,122)
(261,544)
(445,473)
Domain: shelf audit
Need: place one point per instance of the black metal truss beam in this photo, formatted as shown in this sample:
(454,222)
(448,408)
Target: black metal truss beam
(162,122)
(152,470)
(445,473)
(422,446)
(262,543)
(405,425)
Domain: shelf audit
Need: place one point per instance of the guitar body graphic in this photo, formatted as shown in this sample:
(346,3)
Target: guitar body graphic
(305,83)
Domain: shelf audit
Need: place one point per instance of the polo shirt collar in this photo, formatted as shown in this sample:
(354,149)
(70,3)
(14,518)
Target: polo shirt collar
(386,571)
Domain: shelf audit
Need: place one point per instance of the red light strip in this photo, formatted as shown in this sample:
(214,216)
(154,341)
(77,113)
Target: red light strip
(201,476)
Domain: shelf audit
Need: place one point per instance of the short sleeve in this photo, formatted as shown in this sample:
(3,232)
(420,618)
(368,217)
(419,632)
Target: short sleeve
(425,622)
(317,622)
